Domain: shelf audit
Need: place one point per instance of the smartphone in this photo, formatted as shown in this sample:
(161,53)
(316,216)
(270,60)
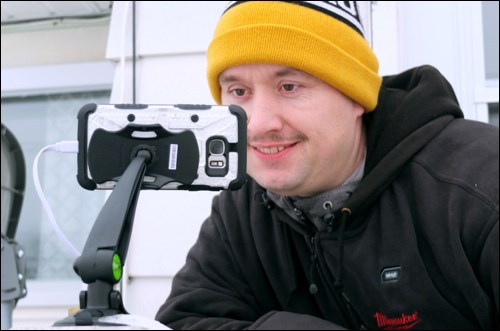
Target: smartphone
(193,147)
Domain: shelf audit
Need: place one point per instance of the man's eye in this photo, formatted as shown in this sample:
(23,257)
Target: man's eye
(238,92)
(289,87)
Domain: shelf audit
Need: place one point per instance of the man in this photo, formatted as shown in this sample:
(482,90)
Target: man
(370,204)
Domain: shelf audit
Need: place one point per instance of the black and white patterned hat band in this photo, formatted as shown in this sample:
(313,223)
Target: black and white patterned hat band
(345,11)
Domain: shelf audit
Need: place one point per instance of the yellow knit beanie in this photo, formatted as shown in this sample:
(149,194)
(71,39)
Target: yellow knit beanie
(322,38)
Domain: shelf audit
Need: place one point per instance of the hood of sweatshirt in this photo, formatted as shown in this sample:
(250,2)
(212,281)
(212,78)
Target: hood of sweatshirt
(413,108)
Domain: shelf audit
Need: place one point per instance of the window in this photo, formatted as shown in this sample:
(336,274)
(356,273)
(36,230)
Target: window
(38,121)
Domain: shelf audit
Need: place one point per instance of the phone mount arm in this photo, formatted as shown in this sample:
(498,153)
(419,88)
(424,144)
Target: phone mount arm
(101,263)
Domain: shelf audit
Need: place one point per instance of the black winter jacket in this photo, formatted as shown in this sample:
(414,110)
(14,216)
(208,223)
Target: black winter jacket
(415,248)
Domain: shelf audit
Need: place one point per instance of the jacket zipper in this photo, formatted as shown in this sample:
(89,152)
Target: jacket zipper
(345,310)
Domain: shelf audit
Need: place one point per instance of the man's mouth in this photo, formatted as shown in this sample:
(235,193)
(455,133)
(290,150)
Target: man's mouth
(270,150)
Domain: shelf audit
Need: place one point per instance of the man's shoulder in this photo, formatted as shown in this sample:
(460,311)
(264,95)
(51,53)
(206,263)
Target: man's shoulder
(465,153)
(471,141)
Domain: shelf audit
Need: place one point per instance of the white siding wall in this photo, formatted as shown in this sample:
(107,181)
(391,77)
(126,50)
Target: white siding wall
(445,34)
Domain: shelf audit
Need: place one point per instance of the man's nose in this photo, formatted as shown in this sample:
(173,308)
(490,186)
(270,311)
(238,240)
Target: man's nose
(264,114)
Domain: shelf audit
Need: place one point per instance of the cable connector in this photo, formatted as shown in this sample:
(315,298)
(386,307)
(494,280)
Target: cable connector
(66,146)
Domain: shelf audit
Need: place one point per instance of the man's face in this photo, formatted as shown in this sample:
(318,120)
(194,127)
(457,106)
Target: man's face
(304,136)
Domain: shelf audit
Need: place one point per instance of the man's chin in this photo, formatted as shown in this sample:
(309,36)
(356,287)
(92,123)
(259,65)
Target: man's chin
(279,188)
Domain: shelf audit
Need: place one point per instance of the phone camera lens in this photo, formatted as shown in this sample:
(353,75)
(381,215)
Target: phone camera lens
(216,147)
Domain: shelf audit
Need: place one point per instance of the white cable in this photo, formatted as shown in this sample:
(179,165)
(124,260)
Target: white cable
(62,147)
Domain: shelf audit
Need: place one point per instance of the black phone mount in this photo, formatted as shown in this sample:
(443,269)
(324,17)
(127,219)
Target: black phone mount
(101,263)
(109,153)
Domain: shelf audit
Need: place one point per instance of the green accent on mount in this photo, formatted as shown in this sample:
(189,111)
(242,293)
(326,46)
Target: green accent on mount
(117,267)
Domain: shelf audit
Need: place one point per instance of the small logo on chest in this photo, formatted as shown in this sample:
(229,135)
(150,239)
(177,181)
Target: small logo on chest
(390,275)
